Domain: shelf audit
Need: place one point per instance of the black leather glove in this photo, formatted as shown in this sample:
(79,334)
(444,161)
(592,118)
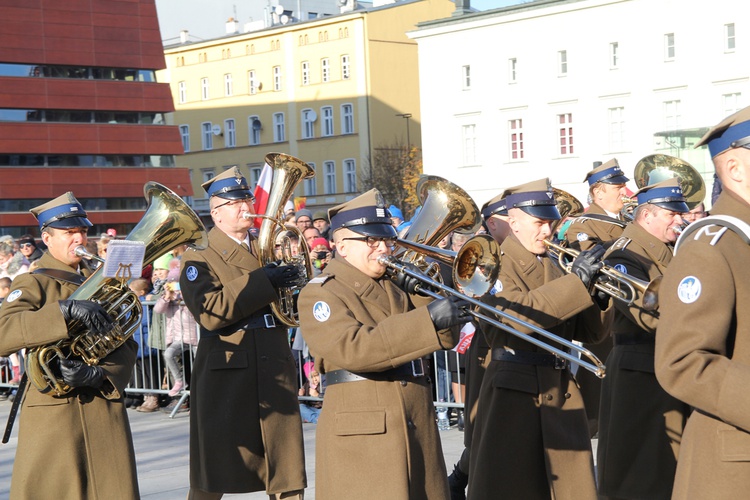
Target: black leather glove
(76,373)
(587,265)
(405,282)
(89,313)
(449,312)
(285,276)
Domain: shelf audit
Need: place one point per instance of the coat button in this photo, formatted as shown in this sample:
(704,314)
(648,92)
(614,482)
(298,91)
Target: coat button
(403,383)
(567,395)
(549,397)
(410,424)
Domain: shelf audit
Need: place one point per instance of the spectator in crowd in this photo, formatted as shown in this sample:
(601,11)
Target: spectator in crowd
(397,217)
(12,263)
(28,247)
(320,221)
(4,287)
(159,276)
(303,219)
(144,373)
(320,252)
(102,244)
(697,212)
(310,234)
(715,189)
(309,410)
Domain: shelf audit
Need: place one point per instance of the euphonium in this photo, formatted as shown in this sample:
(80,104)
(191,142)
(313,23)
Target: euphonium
(168,223)
(288,172)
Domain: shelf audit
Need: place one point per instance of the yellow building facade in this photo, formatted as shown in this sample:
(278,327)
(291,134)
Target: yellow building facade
(329,91)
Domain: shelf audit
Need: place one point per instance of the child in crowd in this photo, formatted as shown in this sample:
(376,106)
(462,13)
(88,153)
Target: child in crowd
(143,373)
(310,410)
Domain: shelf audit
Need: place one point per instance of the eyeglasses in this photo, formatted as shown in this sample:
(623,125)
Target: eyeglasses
(374,242)
(26,245)
(232,203)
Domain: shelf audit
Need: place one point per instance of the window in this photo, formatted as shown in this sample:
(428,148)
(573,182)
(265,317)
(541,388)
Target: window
(230,133)
(616,117)
(279,132)
(254,126)
(305,73)
(311,186)
(562,63)
(204,89)
(308,123)
(669,47)
(327,113)
(185,135)
(469,142)
(228,88)
(252,83)
(345,68)
(182,92)
(325,70)
(329,179)
(729,37)
(207,136)
(614,55)
(350,176)
(255,176)
(565,129)
(512,70)
(466,77)
(208,174)
(672,117)
(730,104)
(515,135)
(277,78)
(347,119)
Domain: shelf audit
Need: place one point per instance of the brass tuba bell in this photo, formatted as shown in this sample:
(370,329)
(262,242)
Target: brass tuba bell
(658,167)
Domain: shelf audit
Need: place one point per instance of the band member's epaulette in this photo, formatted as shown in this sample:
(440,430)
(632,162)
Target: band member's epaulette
(320,279)
(620,243)
(712,229)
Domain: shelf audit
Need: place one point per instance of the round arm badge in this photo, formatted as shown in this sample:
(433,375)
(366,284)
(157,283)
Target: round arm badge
(321,311)
(689,289)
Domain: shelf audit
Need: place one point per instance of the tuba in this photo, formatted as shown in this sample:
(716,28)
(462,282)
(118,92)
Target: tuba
(168,223)
(288,172)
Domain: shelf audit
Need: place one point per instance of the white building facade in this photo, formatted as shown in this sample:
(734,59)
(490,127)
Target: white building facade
(546,88)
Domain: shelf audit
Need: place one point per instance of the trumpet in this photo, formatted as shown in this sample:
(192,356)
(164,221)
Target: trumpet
(618,285)
(595,365)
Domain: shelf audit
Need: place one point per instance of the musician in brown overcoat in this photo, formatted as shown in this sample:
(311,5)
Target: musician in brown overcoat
(376,435)
(602,224)
(640,425)
(702,342)
(531,435)
(245,427)
(77,445)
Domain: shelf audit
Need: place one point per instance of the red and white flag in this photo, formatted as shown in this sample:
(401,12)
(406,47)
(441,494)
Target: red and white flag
(261,192)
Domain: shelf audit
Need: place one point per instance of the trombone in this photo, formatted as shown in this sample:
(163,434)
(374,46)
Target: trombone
(618,285)
(595,366)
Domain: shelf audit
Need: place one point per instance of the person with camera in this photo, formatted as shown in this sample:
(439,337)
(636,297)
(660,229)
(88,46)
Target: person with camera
(77,445)
(245,426)
(368,335)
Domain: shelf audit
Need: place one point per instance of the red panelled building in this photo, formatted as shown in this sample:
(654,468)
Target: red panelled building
(80,110)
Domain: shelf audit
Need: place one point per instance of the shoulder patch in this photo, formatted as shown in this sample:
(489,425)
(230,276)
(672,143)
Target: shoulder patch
(497,288)
(620,243)
(689,289)
(12,296)
(321,311)
(621,268)
(582,237)
(320,279)
(191,273)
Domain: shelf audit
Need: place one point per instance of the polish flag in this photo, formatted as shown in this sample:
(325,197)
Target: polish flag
(261,192)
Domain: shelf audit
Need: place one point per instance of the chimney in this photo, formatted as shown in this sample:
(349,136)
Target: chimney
(462,7)
(232,26)
(183,36)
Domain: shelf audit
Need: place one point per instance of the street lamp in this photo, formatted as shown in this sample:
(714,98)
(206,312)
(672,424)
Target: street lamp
(408,139)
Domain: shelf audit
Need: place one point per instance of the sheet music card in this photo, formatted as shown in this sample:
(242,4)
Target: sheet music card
(124,259)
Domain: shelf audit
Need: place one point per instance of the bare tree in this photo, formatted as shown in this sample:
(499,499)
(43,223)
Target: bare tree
(394,171)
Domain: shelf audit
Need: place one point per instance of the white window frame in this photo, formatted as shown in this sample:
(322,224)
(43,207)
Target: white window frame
(614,55)
(515,140)
(277,78)
(308,124)
(326,113)
(469,144)
(669,47)
(182,92)
(565,140)
(672,114)
(730,40)
(253,136)
(329,177)
(205,89)
(562,63)
(730,103)
(185,136)
(255,176)
(228,85)
(207,174)
(347,118)
(207,136)
(252,83)
(345,67)
(616,128)
(512,70)
(325,70)
(311,183)
(305,73)
(350,175)
(279,128)
(466,77)
(230,133)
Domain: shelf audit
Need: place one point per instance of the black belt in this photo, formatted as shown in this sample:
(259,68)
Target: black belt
(266,321)
(529,358)
(414,369)
(633,339)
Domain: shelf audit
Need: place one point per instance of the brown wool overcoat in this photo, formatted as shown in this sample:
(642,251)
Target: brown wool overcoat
(583,233)
(640,425)
(75,446)
(373,429)
(245,428)
(531,435)
(703,356)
